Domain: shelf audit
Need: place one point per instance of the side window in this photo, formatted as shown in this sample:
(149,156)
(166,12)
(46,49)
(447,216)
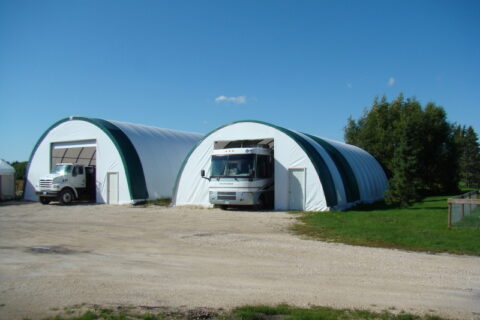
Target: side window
(264,167)
(80,170)
(74,172)
(270,166)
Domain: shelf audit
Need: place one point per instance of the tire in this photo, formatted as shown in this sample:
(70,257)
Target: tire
(261,203)
(45,200)
(223,207)
(66,196)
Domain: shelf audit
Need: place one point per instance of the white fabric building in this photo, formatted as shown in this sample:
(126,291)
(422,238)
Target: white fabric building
(135,162)
(7,181)
(311,173)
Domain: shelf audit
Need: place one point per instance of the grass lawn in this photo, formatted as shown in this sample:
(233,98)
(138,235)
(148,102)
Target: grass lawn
(421,227)
(281,312)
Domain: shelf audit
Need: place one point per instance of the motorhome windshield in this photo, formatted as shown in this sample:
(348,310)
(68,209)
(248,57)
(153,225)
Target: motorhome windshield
(233,166)
(62,168)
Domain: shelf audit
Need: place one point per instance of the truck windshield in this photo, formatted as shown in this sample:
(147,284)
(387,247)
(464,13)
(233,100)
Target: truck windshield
(62,169)
(234,165)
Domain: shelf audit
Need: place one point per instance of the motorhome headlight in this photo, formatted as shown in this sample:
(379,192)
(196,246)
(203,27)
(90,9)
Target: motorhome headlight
(213,195)
(246,196)
(56,186)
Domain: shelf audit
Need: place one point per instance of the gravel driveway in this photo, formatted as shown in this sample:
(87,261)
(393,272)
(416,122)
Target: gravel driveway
(55,256)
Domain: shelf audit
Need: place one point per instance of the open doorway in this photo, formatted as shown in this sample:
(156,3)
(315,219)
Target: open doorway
(84,154)
(242,173)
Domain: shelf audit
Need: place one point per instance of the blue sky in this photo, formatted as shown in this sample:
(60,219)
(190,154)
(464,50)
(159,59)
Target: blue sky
(196,65)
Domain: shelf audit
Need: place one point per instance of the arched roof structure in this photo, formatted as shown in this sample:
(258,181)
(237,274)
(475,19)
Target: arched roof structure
(337,175)
(146,158)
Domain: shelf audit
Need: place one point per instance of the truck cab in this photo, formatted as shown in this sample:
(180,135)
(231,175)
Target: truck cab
(67,182)
(241,177)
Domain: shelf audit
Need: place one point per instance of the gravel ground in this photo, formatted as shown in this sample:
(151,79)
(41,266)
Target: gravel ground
(56,256)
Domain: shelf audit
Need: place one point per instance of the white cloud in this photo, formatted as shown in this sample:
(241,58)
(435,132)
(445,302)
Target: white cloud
(391,81)
(236,100)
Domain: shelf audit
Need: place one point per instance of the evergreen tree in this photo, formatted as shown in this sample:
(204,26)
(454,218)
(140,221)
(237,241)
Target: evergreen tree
(405,183)
(470,159)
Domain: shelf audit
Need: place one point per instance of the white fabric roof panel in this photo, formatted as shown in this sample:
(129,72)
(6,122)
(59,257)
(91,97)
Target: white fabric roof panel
(146,158)
(5,168)
(161,152)
(337,175)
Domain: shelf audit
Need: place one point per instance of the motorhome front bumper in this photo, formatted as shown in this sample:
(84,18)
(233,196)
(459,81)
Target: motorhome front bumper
(234,198)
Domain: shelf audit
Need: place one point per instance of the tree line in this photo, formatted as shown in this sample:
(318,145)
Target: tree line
(421,152)
(20,169)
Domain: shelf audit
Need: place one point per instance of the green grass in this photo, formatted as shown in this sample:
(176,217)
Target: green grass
(285,312)
(159,202)
(421,227)
(280,312)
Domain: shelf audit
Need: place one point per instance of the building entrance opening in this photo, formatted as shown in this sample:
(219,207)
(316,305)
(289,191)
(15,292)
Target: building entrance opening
(242,174)
(72,173)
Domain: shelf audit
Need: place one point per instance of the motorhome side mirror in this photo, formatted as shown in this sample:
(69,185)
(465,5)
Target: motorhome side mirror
(202,173)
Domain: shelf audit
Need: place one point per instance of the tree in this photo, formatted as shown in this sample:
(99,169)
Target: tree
(405,182)
(416,146)
(20,169)
(469,151)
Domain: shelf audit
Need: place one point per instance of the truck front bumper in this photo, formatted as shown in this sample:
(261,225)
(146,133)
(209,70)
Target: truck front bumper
(47,193)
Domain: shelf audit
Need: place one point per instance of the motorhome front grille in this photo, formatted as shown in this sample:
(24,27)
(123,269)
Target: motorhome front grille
(227,196)
(45,183)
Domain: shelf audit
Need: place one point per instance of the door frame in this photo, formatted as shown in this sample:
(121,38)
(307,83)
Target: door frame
(304,186)
(110,173)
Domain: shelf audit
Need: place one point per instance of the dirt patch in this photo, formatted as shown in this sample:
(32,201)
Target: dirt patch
(58,256)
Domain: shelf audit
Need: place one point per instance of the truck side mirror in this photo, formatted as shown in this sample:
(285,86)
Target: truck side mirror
(202,174)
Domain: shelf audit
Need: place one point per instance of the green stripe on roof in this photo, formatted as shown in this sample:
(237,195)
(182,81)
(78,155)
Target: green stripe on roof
(137,185)
(319,164)
(346,172)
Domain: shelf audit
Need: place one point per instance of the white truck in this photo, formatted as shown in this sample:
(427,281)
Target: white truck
(241,177)
(67,182)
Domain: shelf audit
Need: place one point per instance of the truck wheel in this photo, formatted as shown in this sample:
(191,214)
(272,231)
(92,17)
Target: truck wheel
(66,196)
(44,200)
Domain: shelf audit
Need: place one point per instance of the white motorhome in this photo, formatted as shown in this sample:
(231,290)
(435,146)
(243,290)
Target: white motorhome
(241,176)
(67,182)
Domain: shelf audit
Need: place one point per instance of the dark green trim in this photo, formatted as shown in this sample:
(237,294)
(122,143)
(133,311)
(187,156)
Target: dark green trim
(346,172)
(131,161)
(320,165)
(137,185)
(35,149)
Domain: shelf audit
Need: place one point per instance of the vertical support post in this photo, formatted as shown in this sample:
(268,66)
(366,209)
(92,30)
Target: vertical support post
(462,211)
(469,205)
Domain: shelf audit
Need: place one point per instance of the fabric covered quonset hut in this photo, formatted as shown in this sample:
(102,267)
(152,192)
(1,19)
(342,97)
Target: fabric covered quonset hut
(7,181)
(310,173)
(135,162)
